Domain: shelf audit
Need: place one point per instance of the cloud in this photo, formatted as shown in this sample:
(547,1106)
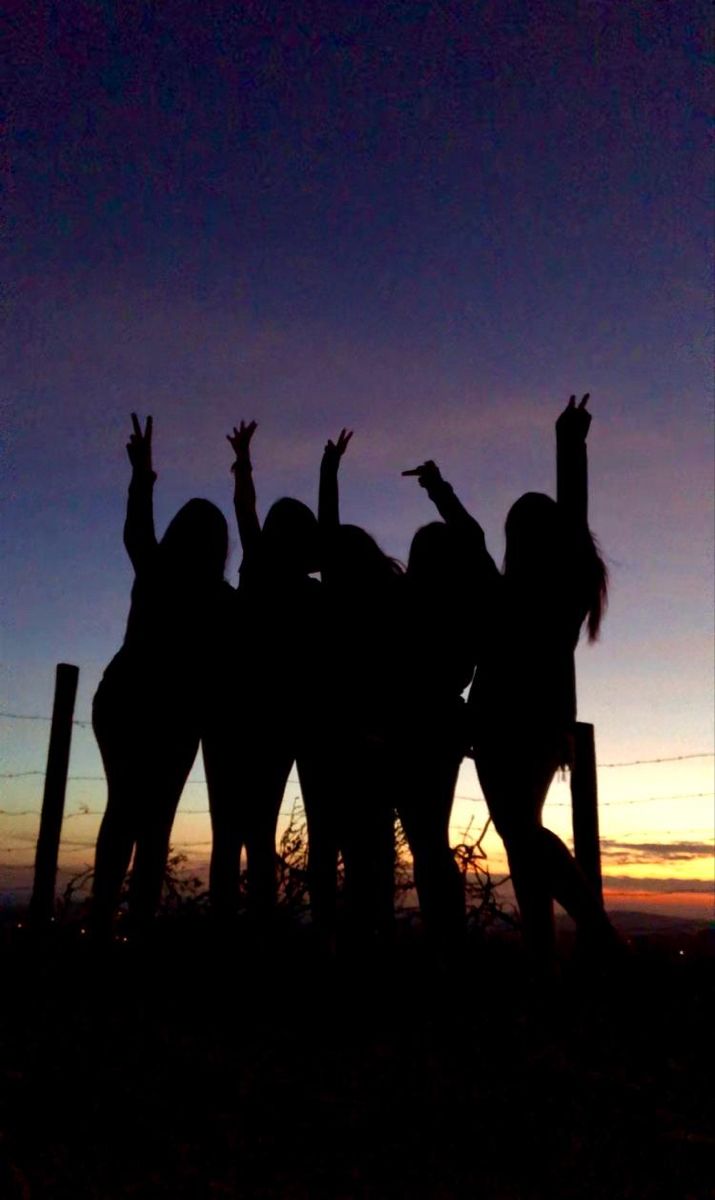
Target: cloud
(627,884)
(625,853)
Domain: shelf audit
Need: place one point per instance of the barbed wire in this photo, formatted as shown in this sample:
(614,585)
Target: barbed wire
(296,783)
(91,778)
(640,762)
(633,762)
(8,716)
(204,812)
(609,803)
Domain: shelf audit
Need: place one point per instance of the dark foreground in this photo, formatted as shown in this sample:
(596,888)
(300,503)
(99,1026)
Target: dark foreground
(185,1072)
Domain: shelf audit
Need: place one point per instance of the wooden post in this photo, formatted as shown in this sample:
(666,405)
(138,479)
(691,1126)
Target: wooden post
(584,802)
(53,801)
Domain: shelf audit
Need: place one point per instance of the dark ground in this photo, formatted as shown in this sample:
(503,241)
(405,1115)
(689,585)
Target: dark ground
(185,1072)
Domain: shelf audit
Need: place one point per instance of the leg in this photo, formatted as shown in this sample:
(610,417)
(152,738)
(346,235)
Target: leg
(265,782)
(383,854)
(515,789)
(227,820)
(149,866)
(541,866)
(368,843)
(533,893)
(228,837)
(117,834)
(118,830)
(319,784)
(573,891)
(425,809)
(172,759)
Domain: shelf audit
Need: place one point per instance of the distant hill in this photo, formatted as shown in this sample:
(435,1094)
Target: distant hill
(631,923)
(646,922)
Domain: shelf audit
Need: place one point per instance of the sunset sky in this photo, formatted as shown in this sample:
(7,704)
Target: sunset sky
(428,222)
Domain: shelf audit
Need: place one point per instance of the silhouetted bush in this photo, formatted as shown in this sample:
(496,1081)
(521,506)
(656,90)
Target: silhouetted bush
(185,895)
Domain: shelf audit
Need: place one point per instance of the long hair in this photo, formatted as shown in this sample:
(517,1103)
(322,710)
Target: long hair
(436,559)
(540,540)
(357,560)
(195,543)
(289,539)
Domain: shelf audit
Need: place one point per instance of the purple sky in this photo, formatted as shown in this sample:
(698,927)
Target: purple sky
(429,222)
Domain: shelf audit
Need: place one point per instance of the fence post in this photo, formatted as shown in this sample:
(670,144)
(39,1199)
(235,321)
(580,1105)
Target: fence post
(53,800)
(584,807)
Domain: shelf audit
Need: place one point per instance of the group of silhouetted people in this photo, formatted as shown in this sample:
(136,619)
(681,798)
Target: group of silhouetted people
(356,678)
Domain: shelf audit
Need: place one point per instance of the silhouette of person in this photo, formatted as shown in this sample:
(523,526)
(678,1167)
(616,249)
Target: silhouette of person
(148,708)
(522,704)
(436,620)
(265,720)
(361,601)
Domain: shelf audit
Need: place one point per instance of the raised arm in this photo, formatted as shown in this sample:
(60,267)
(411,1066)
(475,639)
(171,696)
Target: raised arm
(441,493)
(571,461)
(453,512)
(328,498)
(244,493)
(139,535)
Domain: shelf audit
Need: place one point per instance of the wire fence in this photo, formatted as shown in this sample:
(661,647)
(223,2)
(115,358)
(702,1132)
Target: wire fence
(19,822)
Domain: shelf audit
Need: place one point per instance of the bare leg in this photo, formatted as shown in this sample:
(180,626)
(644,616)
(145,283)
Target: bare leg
(425,810)
(533,891)
(228,837)
(368,844)
(227,822)
(319,785)
(265,784)
(541,866)
(148,871)
(160,794)
(123,764)
(573,891)
(115,843)
(515,782)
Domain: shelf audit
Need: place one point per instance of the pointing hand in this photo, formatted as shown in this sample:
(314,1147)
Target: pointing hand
(428,474)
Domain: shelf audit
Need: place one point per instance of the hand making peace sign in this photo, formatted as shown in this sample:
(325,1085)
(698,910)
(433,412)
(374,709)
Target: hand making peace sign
(334,451)
(139,446)
(575,420)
